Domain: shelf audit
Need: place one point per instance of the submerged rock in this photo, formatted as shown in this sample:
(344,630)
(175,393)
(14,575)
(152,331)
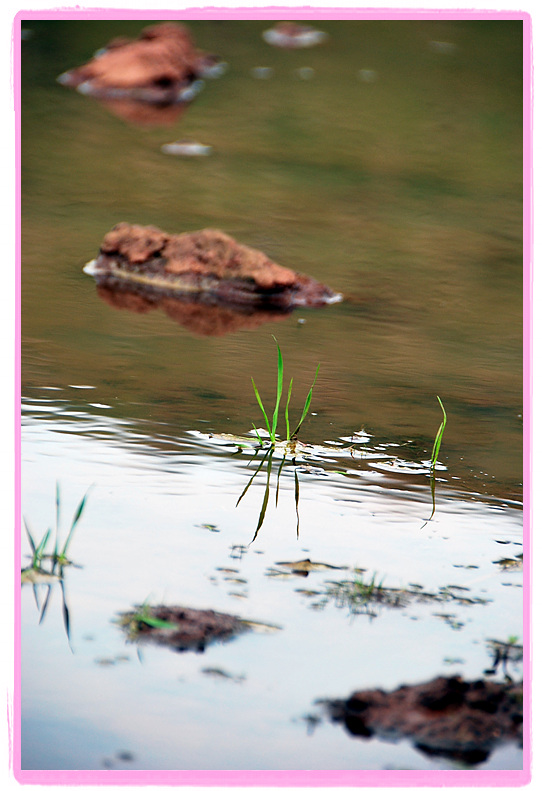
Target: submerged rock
(202,262)
(183,628)
(161,66)
(292,35)
(448,717)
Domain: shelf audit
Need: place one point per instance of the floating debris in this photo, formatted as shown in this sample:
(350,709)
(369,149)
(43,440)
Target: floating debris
(262,72)
(367,75)
(292,35)
(187,148)
(304,73)
(210,528)
(443,47)
(503,653)
(202,262)
(38,576)
(449,717)
(304,567)
(361,595)
(218,673)
(510,564)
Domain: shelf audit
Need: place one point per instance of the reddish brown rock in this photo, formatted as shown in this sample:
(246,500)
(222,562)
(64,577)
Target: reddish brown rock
(202,262)
(160,66)
(450,717)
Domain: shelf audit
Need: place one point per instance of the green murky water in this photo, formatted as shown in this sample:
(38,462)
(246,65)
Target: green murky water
(386,163)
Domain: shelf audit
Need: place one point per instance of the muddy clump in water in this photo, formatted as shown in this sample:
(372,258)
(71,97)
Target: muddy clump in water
(159,66)
(446,717)
(181,628)
(203,262)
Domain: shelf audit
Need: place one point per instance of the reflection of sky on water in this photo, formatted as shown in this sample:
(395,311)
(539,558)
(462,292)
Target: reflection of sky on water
(139,538)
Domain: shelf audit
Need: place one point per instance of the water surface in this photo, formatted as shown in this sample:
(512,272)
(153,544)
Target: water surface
(392,172)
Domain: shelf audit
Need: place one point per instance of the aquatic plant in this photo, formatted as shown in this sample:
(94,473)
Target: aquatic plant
(363,595)
(434,459)
(271,425)
(36,574)
(438,438)
(57,557)
(503,653)
(272,445)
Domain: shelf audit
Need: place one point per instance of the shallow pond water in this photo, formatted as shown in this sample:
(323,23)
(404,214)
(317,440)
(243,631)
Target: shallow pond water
(389,167)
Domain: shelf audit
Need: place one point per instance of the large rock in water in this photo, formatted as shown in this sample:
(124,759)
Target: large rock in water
(206,261)
(160,66)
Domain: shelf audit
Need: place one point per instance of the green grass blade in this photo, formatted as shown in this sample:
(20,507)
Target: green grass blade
(247,487)
(280,375)
(38,554)
(57,524)
(296,495)
(45,604)
(438,438)
(307,403)
(77,516)
(259,400)
(154,623)
(29,536)
(278,480)
(265,498)
(65,612)
(286,412)
(260,440)
(434,457)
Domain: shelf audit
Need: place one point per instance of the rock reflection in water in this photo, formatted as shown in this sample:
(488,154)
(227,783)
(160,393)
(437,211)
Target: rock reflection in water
(147,114)
(200,314)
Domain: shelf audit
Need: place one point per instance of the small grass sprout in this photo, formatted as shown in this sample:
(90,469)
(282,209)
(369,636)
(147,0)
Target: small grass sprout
(59,557)
(365,591)
(438,437)
(271,425)
(434,458)
(272,437)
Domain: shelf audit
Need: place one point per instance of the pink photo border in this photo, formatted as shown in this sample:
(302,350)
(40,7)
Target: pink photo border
(294,778)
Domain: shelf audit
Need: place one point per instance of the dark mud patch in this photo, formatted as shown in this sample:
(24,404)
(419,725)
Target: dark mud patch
(185,628)
(448,717)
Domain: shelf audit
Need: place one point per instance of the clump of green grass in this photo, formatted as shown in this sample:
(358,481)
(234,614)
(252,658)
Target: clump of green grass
(366,591)
(271,445)
(36,574)
(59,557)
(271,425)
